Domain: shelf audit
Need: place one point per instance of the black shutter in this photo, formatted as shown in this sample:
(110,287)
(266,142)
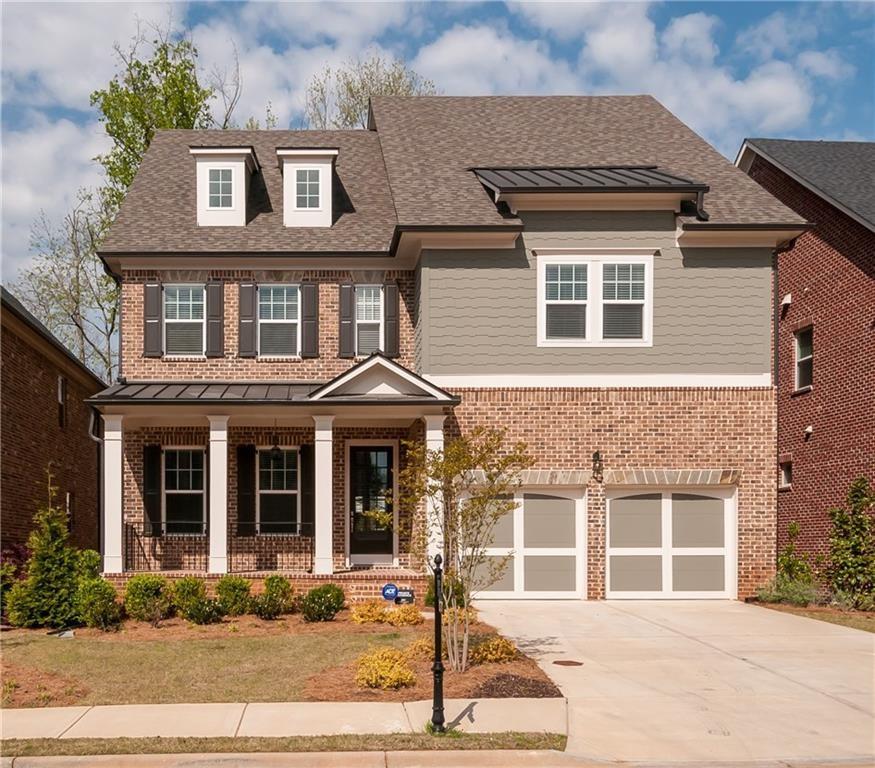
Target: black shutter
(247,326)
(152,346)
(347,315)
(309,320)
(245,490)
(391,340)
(215,320)
(308,489)
(152,489)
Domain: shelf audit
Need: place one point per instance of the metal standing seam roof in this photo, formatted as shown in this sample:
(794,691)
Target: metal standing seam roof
(207,392)
(616,178)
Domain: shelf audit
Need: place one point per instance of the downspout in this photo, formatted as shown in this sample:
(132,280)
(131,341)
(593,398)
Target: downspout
(99,440)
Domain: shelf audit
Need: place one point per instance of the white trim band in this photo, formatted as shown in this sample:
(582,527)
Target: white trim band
(599,380)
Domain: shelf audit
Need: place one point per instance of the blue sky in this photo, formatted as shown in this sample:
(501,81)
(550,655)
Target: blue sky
(728,69)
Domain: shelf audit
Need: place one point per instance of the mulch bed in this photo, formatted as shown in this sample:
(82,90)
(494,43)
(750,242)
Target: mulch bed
(507,685)
(28,687)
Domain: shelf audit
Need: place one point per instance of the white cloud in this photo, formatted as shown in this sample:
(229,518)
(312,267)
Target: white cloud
(485,60)
(776,34)
(827,64)
(56,54)
(691,37)
(44,166)
(566,20)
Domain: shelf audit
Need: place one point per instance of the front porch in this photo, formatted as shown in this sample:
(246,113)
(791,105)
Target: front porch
(267,478)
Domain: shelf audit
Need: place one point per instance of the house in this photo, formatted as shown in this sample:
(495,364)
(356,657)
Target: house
(45,422)
(825,326)
(583,272)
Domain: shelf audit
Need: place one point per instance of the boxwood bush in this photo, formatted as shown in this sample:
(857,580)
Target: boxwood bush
(97,605)
(187,594)
(234,596)
(322,603)
(148,598)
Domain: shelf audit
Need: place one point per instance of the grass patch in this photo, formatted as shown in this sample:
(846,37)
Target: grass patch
(864,620)
(357,743)
(220,668)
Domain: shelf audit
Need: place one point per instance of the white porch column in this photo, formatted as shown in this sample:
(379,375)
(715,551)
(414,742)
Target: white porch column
(434,441)
(111,512)
(218,498)
(323,458)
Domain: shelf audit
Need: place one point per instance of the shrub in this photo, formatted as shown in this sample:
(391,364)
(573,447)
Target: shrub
(148,598)
(280,590)
(848,602)
(266,606)
(851,568)
(404,616)
(322,603)
(187,593)
(384,668)
(47,596)
(451,615)
(457,587)
(782,589)
(233,593)
(372,612)
(423,649)
(790,564)
(96,604)
(493,650)
(204,611)
(88,564)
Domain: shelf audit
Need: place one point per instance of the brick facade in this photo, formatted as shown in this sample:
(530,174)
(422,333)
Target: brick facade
(646,429)
(32,438)
(830,274)
(231,367)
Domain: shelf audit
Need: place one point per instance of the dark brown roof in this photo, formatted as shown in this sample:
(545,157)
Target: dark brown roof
(160,213)
(431,142)
(602,178)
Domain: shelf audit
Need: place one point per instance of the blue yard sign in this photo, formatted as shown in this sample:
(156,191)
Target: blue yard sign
(390,592)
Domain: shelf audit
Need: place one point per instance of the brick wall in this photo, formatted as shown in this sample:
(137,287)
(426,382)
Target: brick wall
(31,437)
(830,273)
(646,429)
(326,366)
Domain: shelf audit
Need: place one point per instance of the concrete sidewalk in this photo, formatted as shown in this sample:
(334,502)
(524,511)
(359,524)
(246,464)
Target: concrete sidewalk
(280,719)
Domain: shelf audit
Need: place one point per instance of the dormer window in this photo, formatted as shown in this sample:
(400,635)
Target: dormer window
(307,188)
(221,188)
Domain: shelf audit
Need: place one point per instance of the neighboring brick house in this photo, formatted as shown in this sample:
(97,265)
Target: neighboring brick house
(45,420)
(825,305)
(584,272)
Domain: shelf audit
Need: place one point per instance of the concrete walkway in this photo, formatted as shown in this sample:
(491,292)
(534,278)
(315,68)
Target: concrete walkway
(280,719)
(700,681)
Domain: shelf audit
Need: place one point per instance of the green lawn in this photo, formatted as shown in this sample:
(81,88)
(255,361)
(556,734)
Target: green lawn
(221,667)
(374,743)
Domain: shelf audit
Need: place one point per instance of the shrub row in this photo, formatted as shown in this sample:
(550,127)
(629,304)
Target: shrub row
(374,612)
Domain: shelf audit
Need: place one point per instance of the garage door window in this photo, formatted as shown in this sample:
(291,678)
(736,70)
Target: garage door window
(670,545)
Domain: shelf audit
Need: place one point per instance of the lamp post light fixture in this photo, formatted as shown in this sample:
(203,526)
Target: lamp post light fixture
(597,466)
(437,668)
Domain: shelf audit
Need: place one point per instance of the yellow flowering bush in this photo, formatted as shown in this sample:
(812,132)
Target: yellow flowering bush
(384,668)
(372,612)
(493,650)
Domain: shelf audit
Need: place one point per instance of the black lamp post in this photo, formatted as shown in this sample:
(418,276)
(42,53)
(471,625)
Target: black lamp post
(437,668)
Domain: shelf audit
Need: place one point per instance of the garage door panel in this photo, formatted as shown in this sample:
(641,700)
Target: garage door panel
(698,573)
(502,533)
(550,573)
(636,521)
(548,521)
(636,573)
(697,521)
(486,571)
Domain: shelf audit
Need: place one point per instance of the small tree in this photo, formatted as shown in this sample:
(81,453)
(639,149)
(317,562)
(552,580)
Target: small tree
(47,595)
(472,482)
(851,568)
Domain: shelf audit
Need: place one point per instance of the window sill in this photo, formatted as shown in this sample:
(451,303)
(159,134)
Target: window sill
(802,391)
(184,358)
(279,358)
(182,536)
(573,343)
(782,488)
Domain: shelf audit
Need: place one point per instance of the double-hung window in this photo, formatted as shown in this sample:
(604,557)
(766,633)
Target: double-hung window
(623,301)
(368,319)
(279,323)
(594,299)
(221,188)
(278,510)
(184,323)
(804,358)
(184,498)
(307,188)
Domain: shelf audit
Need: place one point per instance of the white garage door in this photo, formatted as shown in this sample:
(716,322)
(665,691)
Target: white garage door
(671,544)
(543,542)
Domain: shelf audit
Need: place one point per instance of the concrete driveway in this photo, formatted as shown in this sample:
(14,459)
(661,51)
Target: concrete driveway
(675,681)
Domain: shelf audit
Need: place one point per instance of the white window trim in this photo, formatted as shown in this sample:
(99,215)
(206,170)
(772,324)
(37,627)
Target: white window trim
(311,167)
(351,559)
(164,321)
(266,448)
(233,206)
(595,261)
(381,316)
(259,321)
(797,360)
(729,550)
(164,491)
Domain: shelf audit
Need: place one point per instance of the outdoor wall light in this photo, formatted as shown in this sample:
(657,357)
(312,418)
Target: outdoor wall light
(597,465)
